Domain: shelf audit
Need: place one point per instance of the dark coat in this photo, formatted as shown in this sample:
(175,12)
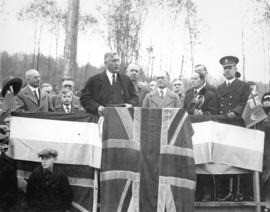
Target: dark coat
(98,89)
(52,194)
(141,92)
(74,108)
(8,182)
(56,101)
(209,105)
(233,98)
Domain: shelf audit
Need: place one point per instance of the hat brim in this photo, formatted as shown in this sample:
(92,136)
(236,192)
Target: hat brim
(16,84)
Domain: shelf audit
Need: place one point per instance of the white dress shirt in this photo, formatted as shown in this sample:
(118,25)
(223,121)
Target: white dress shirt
(110,76)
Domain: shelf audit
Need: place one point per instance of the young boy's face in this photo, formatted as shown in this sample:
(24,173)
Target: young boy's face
(47,161)
(66,98)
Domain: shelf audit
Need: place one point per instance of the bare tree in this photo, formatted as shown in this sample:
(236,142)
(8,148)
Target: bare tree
(123,19)
(39,12)
(70,51)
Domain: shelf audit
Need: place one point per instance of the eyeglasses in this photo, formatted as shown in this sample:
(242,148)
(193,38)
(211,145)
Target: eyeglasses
(177,84)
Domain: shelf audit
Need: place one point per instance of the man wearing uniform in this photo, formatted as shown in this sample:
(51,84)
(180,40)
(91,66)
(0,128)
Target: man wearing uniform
(232,98)
(233,93)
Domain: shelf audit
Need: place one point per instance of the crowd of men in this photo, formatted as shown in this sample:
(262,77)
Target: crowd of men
(114,89)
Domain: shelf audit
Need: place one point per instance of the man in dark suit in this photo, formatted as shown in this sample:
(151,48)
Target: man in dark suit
(133,72)
(30,98)
(109,88)
(199,100)
(233,93)
(209,81)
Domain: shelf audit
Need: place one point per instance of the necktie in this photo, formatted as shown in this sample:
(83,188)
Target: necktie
(195,92)
(113,80)
(228,84)
(161,93)
(67,109)
(35,93)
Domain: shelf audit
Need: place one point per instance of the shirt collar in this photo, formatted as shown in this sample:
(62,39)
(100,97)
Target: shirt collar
(164,91)
(110,75)
(32,88)
(230,80)
(199,89)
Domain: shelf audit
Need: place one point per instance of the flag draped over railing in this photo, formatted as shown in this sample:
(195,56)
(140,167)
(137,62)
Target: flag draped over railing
(227,144)
(77,139)
(147,161)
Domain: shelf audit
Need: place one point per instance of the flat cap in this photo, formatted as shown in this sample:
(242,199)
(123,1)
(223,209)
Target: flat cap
(228,60)
(48,152)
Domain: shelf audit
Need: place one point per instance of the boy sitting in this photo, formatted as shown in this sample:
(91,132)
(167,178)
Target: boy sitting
(48,188)
(66,105)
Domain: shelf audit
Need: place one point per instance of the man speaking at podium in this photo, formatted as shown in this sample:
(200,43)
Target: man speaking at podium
(109,88)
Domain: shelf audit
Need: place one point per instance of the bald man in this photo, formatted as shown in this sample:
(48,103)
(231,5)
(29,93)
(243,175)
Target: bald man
(30,98)
(161,97)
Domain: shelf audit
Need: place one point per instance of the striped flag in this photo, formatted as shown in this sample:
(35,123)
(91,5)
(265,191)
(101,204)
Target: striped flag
(232,145)
(147,161)
(77,139)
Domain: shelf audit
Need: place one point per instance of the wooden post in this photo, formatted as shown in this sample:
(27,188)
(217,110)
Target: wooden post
(70,51)
(256,191)
(95,191)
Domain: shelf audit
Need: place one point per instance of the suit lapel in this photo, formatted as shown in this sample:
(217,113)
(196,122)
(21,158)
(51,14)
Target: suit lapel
(29,94)
(42,100)
(105,82)
(155,98)
(168,99)
(224,89)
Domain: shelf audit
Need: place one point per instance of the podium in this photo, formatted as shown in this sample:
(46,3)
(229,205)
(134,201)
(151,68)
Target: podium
(252,206)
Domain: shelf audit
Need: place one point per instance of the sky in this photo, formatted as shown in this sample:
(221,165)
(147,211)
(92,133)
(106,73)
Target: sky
(221,25)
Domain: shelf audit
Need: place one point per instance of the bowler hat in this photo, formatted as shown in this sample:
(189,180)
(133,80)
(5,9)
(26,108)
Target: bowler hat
(228,60)
(15,82)
(48,152)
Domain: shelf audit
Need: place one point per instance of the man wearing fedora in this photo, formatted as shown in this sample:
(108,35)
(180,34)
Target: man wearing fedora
(30,98)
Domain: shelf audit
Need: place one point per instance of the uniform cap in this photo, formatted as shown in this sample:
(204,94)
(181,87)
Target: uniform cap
(48,152)
(228,60)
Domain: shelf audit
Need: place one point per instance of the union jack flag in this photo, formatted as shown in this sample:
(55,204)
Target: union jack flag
(253,112)
(147,160)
